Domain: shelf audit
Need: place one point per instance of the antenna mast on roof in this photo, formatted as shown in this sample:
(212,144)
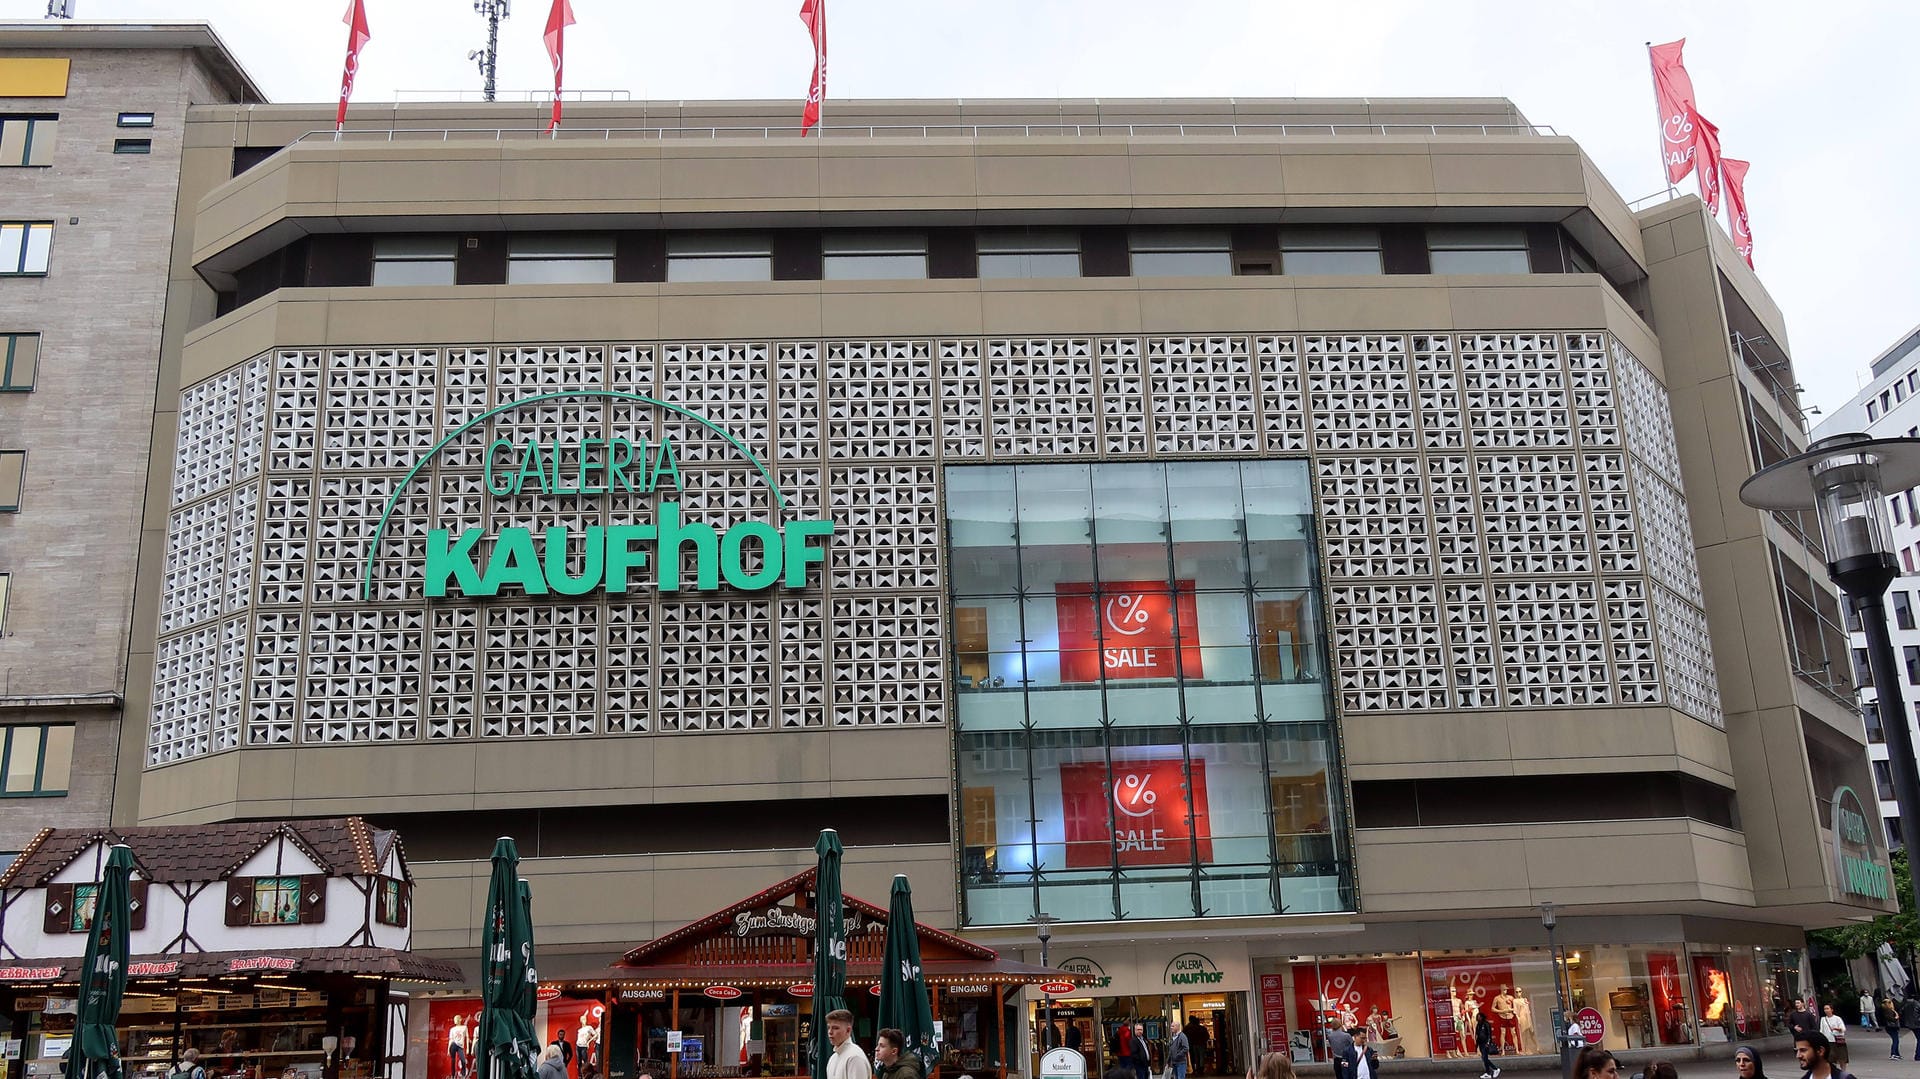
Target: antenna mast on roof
(61,9)
(493,11)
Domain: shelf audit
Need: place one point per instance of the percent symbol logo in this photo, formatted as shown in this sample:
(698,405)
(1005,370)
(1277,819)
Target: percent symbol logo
(1127,610)
(1132,790)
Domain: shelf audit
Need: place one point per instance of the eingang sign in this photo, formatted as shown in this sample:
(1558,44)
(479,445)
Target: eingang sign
(750,556)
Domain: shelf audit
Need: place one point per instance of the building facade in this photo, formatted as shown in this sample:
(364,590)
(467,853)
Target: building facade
(1885,408)
(1284,543)
(91,126)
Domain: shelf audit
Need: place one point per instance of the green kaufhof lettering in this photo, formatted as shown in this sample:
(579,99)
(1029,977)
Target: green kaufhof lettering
(1197,977)
(1866,878)
(751,556)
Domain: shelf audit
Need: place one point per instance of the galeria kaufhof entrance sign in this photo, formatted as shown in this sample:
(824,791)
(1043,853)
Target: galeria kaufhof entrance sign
(748,555)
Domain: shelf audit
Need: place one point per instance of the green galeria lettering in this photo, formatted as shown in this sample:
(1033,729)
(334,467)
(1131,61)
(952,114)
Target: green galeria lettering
(594,466)
(752,556)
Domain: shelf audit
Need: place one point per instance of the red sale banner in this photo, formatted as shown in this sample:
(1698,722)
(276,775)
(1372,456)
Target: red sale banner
(1347,994)
(580,1021)
(1669,995)
(1127,629)
(1460,990)
(1148,822)
(453,1022)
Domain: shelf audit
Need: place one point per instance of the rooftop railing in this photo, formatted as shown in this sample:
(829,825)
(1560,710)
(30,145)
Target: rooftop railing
(926,131)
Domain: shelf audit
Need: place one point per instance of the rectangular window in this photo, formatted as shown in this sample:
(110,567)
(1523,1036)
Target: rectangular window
(1899,513)
(719,257)
(276,901)
(19,361)
(1883,780)
(884,256)
(1862,674)
(1016,253)
(6,579)
(1873,411)
(1899,392)
(135,119)
(559,260)
(392,898)
(13,479)
(133,146)
(27,141)
(1903,610)
(413,260)
(1181,253)
(1477,249)
(1334,251)
(1871,714)
(1911,657)
(1913,380)
(25,247)
(35,760)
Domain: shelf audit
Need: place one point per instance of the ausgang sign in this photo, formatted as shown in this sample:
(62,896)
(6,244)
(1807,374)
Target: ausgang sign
(749,555)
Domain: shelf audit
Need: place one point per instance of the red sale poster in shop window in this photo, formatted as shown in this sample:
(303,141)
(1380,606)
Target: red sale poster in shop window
(1464,987)
(443,1016)
(1669,996)
(565,1014)
(1130,629)
(1746,994)
(1347,993)
(1148,821)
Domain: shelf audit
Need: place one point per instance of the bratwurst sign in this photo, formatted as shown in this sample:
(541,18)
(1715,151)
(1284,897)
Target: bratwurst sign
(748,555)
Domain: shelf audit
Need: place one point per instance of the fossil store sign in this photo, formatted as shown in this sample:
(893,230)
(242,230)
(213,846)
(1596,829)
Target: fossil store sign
(747,555)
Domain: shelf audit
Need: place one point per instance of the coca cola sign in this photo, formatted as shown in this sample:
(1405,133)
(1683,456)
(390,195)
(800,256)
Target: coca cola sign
(721,992)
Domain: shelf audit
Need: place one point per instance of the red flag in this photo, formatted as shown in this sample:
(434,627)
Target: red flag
(1734,171)
(558,20)
(1673,89)
(357,36)
(1707,156)
(814,14)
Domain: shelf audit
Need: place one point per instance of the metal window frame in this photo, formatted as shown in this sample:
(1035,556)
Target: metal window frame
(40,761)
(19,269)
(7,385)
(133,146)
(134,119)
(6,455)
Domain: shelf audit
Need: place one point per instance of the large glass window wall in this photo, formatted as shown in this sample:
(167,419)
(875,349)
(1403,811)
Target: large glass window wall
(1144,729)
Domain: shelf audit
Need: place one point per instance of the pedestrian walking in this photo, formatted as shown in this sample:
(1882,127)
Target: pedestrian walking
(891,1056)
(1813,1052)
(1338,1042)
(1866,1010)
(1746,1064)
(1597,1063)
(1910,1019)
(847,1061)
(1802,1020)
(1178,1051)
(1139,1054)
(1271,1066)
(1835,1029)
(552,1064)
(1890,1022)
(1483,1037)
(1360,1062)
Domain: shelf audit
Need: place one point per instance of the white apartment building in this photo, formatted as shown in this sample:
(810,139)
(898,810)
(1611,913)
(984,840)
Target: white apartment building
(1887,407)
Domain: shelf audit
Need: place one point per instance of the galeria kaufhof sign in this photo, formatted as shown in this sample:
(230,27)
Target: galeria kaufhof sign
(748,555)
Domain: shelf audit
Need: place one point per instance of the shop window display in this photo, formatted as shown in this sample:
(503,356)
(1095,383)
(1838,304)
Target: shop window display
(1641,996)
(1143,717)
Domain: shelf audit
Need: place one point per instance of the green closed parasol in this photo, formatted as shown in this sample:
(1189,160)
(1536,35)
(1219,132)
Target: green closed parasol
(829,947)
(903,988)
(95,1050)
(507,1047)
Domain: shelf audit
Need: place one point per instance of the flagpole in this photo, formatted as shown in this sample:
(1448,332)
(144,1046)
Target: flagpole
(1660,129)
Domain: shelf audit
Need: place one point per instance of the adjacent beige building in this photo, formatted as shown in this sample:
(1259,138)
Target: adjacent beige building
(92,120)
(1283,542)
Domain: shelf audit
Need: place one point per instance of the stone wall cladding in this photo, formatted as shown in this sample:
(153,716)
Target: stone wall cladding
(1501,521)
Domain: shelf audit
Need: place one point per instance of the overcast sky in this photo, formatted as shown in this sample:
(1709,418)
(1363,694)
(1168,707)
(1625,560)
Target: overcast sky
(1823,98)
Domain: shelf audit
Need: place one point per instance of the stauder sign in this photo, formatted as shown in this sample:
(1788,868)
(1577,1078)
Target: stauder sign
(747,555)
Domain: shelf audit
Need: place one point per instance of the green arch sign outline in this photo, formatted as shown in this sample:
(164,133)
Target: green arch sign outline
(379,533)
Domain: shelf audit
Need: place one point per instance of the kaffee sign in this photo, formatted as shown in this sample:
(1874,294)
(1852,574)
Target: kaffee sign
(749,555)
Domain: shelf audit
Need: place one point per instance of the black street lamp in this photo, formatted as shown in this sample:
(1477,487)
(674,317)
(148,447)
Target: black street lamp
(1844,479)
(1562,1021)
(1043,929)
